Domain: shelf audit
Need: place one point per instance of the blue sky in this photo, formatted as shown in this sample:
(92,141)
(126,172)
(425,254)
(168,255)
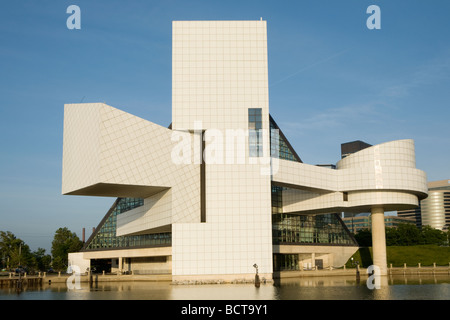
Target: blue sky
(332,80)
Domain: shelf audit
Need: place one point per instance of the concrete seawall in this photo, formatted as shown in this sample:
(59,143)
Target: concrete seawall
(407,271)
(363,272)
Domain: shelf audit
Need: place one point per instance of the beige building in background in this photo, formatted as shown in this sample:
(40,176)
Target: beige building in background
(221,191)
(433,211)
(361,222)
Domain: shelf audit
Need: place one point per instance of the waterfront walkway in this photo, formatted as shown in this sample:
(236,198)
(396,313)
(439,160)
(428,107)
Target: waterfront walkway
(434,270)
(20,281)
(12,279)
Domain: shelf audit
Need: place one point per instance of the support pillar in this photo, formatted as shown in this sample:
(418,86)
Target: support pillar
(120,265)
(300,262)
(379,240)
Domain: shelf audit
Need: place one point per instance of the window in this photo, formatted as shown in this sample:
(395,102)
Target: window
(306,228)
(283,262)
(279,145)
(255,140)
(312,229)
(106,237)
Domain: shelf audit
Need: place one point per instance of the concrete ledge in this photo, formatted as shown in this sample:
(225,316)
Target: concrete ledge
(220,278)
(421,270)
(109,278)
(247,278)
(318,273)
(362,272)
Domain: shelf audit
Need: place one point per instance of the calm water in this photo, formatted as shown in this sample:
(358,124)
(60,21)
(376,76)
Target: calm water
(324,288)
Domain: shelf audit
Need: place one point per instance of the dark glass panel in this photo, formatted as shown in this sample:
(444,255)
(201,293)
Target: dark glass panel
(105,237)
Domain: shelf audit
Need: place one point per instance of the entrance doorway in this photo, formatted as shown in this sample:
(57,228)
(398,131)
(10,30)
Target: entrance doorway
(100,265)
(319,264)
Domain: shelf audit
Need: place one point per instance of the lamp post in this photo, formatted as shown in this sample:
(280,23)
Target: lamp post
(356,263)
(20,252)
(257,282)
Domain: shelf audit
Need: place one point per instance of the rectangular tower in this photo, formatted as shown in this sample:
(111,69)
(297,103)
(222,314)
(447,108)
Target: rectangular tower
(220,88)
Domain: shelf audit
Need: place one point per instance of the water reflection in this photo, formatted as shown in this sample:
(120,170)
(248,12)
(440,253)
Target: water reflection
(313,288)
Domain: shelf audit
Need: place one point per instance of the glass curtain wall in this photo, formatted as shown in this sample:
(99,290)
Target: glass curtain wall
(280,149)
(105,235)
(288,228)
(325,229)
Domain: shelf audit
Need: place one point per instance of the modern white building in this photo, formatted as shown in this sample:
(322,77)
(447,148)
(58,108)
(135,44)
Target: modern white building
(221,189)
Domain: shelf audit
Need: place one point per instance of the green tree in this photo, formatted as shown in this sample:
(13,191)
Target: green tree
(41,261)
(405,234)
(392,237)
(364,238)
(21,255)
(430,235)
(408,234)
(63,243)
(13,251)
(7,243)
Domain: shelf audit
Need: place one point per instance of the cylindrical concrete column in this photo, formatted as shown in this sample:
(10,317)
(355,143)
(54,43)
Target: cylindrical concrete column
(379,239)
(120,265)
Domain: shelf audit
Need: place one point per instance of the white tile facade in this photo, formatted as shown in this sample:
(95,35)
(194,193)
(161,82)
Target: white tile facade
(220,70)
(121,155)
(382,175)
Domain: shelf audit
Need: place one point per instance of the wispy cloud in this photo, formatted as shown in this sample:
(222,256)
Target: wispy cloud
(334,118)
(308,67)
(379,108)
(429,73)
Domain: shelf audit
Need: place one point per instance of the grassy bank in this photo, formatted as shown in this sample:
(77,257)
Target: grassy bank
(426,255)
